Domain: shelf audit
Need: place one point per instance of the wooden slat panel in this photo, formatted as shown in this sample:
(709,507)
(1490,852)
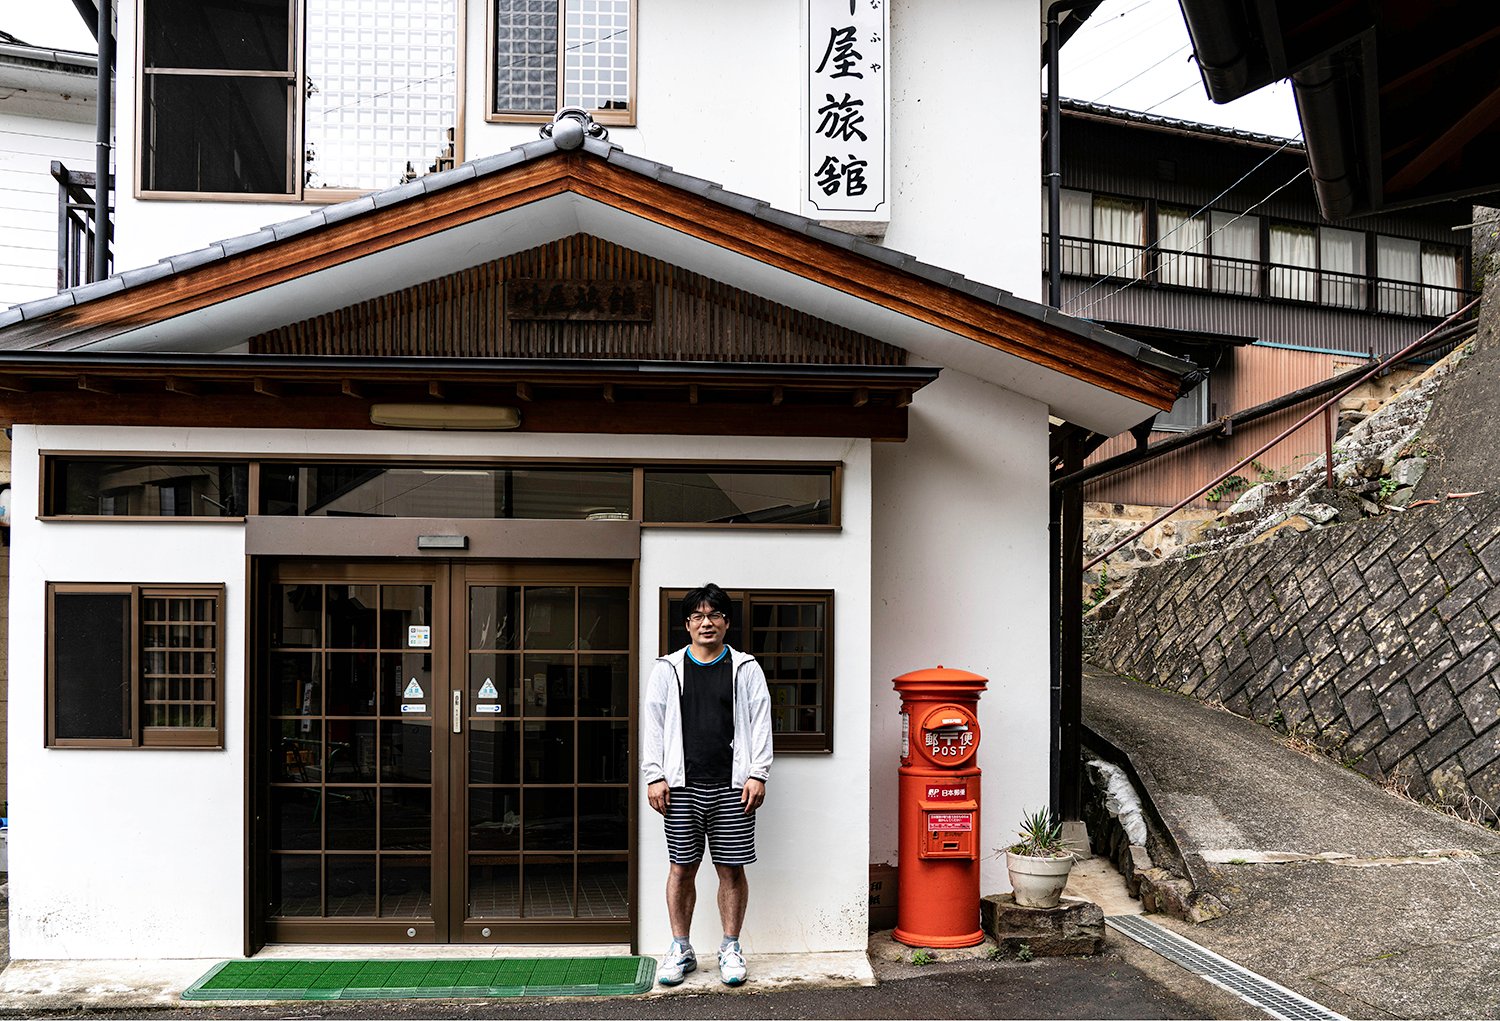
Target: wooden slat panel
(696,319)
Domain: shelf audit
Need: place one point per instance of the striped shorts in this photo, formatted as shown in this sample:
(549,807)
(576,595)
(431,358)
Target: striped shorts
(715,813)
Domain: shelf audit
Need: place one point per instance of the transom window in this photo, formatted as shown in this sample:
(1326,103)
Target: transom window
(741,496)
(548,54)
(135,666)
(296,97)
(790,633)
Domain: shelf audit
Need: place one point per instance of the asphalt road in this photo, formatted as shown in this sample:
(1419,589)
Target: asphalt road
(1123,982)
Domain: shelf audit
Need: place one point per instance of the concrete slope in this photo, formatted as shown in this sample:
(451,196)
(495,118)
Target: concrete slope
(1362,901)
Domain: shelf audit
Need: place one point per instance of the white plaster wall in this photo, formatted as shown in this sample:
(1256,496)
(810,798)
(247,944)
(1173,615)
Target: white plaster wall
(133,853)
(720,97)
(966,138)
(119,853)
(959,572)
(28,198)
(809,888)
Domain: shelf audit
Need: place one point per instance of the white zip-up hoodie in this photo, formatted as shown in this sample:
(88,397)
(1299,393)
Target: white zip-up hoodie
(661,749)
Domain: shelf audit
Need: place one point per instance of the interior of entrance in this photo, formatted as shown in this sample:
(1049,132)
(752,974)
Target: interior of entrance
(444,752)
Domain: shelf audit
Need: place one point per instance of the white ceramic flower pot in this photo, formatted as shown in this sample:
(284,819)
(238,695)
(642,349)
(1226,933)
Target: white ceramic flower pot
(1037,882)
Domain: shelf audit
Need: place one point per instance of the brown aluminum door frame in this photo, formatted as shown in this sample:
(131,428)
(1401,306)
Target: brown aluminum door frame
(522,930)
(450,580)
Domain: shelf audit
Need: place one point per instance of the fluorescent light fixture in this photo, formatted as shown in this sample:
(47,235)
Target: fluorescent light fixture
(445,416)
(442,542)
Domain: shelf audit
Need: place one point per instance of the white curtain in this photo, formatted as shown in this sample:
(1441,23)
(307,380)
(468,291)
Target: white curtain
(1342,257)
(1440,279)
(1294,262)
(1235,244)
(1119,236)
(1076,211)
(1398,264)
(1178,231)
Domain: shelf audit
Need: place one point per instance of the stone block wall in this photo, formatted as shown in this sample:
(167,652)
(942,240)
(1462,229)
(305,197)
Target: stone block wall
(1379,639)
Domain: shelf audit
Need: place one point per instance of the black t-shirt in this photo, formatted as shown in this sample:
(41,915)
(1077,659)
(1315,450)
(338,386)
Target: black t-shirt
(708,720)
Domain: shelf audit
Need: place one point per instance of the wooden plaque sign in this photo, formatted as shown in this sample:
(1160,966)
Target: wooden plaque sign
(620,301)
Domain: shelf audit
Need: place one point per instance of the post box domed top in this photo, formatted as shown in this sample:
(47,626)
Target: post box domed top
(940,681)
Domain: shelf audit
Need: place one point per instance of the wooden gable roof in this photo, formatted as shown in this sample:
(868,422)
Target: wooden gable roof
(215,299)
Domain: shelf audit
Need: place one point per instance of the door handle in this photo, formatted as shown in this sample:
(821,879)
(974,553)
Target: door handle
(458,712)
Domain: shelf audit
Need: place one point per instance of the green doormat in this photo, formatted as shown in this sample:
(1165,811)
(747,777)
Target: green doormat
(394,980)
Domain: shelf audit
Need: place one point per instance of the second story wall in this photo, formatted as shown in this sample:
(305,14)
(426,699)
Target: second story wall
(717,93)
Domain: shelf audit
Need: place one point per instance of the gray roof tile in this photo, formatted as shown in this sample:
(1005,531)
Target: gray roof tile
(486,165)
(448,178)
(200,257)
(400,193)
(247,242)
(301,225)
(97,289)
(11,315)
(145,274)
(348,210)
(44,306)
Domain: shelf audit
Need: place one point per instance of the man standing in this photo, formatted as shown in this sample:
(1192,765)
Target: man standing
(705,758)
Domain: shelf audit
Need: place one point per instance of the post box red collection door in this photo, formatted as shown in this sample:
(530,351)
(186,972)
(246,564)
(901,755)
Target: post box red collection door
(937,900)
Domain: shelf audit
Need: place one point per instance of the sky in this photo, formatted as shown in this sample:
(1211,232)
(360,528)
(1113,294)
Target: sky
(1135,54)
(1130,53)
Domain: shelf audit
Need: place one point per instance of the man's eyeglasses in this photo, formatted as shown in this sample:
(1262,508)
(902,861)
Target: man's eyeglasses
(698,618)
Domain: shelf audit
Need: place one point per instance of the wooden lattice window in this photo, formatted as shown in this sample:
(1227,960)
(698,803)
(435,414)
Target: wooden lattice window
(132,666)
(790,633)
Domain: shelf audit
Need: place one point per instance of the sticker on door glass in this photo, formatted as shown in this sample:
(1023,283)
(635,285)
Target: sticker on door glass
(419,636)
(413,690)
(495,707)
(487,689)
(413,707)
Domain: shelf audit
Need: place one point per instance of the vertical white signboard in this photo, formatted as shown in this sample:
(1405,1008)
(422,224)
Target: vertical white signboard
(846,110)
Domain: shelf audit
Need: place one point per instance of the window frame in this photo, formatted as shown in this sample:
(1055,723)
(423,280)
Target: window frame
(782,742)
(610,118)
(141,736)
(296,114)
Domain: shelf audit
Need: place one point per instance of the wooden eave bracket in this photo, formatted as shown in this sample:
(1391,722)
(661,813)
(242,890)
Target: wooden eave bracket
(93,384)
(188,388)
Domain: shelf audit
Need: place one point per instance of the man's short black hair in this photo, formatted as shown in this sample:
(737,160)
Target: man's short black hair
(711,594)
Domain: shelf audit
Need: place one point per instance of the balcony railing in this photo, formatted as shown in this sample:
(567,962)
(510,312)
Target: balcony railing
(76,231)
(1249,278)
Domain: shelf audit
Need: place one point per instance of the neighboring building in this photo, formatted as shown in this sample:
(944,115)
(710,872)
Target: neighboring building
(46,115)
(1207,242)
(348,539)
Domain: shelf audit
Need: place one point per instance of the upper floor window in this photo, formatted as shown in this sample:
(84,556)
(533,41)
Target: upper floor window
(231,104)
(548,54)
(1416,278)
(1321,264)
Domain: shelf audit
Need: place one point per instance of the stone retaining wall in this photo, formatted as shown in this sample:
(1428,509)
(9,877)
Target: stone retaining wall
(1380,640)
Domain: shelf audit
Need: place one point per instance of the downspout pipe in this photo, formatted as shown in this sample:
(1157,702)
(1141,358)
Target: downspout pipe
(103,228)
(1054,145)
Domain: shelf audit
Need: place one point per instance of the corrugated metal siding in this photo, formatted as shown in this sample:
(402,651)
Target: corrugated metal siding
(696,318)
(1253,375)
(1277,322)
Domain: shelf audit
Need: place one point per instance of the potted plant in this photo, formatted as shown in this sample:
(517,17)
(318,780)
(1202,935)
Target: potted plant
(1039,863)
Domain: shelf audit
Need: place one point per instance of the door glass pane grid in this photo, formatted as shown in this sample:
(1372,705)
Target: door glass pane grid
(351,801)
(548,726)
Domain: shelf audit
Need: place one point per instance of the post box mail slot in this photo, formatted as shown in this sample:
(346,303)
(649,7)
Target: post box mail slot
(949,835)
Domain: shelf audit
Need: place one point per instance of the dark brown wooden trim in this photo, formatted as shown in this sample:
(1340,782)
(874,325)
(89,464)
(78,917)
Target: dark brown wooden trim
(880,422)
(397,537)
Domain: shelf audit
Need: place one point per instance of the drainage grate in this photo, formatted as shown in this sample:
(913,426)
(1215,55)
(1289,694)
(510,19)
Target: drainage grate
(1278,1001)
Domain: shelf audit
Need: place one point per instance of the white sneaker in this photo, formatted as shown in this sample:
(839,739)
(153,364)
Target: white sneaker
(732,965)
(676,963)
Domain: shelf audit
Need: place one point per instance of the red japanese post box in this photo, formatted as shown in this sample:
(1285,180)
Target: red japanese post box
(937,900)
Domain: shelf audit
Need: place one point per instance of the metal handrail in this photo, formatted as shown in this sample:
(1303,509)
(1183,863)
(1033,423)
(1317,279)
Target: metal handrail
(1379,367)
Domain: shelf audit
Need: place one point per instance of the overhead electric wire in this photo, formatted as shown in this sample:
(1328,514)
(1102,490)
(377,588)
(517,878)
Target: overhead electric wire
(1235,219)
(1138,74)
(1173,96)
(1203,209)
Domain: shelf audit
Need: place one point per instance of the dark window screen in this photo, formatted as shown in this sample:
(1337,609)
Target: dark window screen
(783,498)
(91,676)
(148,489)
(217,134)
(250,35)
